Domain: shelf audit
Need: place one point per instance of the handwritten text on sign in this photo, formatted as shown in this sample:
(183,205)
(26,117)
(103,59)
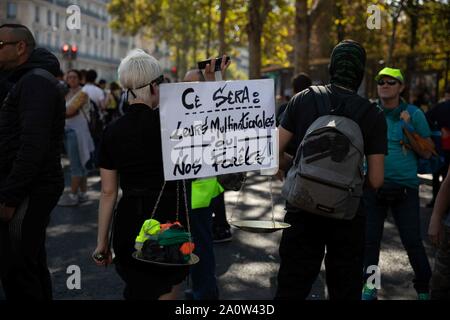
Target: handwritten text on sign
(213,128)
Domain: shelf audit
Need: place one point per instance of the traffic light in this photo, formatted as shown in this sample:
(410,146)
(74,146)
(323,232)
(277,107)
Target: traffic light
(74,51)
(65,51)
(69,52)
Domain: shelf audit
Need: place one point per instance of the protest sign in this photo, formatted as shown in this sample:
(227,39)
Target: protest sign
(213,128)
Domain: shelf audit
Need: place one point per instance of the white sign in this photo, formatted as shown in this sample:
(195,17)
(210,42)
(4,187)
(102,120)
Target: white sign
(213,128)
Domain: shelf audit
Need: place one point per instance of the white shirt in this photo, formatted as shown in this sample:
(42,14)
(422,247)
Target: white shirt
(95,93)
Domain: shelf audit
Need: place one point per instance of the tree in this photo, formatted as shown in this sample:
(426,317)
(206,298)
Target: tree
(211,26)
(305,18)
(221,28)
(257,14)
(396,8)
(278,36)
(302,35)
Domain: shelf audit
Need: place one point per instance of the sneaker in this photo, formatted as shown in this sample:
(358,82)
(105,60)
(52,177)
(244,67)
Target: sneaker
(423,296)
(68,200)
(83,197)
(222,235)
(369,294)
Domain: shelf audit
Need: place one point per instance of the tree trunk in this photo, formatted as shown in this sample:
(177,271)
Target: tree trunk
(304,21)
(257,14)
(395,17)
(184,57)
(194,45)
(301,60)
(208,36)
(254,51)
(340,26)
(177,63)
(392,41)
(223,16)
(413,12)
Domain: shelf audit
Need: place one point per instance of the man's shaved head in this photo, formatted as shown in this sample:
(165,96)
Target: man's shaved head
(17,43)
(19,32)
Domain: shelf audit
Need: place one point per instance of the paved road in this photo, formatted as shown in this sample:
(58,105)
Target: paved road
(246,267)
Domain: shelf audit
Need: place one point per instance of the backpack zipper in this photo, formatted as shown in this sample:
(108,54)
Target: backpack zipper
(327,183)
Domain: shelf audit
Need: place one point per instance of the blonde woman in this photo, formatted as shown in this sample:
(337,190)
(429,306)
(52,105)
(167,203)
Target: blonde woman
(131,150)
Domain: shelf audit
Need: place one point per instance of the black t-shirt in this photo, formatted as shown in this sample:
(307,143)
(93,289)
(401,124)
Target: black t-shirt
(132,146)
(302,111)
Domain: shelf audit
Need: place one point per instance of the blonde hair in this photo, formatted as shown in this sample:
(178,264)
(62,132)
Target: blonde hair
(137,69)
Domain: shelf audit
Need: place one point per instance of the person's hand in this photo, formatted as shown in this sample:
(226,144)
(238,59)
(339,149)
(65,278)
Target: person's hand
(405,116)
(102,255)
(6,213)
(435,230)
(209,69)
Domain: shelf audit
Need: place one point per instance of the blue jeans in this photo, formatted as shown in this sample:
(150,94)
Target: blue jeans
(77,169)
(203,274)
(406,212)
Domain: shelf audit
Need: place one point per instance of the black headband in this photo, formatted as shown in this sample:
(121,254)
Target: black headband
(157,81)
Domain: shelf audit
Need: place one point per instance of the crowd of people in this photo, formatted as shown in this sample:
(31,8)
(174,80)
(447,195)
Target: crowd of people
(45,113)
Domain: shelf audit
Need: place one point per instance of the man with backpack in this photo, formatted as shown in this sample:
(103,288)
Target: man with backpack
(408,137)
(333,128)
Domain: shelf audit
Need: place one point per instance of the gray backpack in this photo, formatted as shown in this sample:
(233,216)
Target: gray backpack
(327,177)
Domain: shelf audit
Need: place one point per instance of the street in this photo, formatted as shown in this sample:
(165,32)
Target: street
(246,267)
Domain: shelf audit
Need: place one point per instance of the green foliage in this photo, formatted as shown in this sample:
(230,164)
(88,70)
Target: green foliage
(190,28)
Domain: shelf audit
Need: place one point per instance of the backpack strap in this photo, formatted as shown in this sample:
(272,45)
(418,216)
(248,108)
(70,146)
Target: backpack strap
(322,99)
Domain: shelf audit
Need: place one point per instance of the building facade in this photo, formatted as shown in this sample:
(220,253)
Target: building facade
(98,47)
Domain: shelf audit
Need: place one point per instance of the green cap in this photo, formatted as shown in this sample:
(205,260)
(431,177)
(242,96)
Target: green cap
(390,72)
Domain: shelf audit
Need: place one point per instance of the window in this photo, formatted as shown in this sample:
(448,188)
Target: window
(57,20)
(103,34)
(36,14)
(11,10)
(88,30)
(57,41)
(49,39)
(49,18)
(95,32)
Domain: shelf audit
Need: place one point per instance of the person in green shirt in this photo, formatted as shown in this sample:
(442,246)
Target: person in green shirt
(400,191)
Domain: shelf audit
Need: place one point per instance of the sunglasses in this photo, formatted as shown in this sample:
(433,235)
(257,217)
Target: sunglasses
(389,82)
(4,43)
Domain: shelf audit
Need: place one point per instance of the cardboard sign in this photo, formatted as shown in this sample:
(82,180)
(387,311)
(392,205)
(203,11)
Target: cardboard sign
(214,128)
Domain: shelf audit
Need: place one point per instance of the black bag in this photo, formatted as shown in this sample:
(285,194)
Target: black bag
(232,181)
(96,124)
